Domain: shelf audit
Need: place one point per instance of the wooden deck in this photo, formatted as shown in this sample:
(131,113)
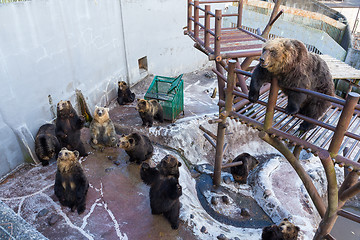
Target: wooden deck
(341,70)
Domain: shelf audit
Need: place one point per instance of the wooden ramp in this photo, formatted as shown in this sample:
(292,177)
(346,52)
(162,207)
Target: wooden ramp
(336,137)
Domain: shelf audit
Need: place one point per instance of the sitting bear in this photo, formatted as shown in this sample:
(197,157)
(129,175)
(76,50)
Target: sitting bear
(169,165)
(164,193)
(124,94)
(71,184)
(102,129)
(292,65)
(284,231)
(47,145)
(241,172)
(150,110)
(68,125)
(137,146)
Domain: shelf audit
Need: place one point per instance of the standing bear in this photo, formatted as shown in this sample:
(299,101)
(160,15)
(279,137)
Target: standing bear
(150,110)
(293,66)
(164,193)
(137,146)
(124,93)
(47,145)
(71,184)
(102,129)
(68,126)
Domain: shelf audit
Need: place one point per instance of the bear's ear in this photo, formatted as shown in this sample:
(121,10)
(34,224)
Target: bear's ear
(138,99)
(297,228)
(107,109)
(285,219)
(179,164)
(68,101)
(64,148)
(96,106)
(77,154)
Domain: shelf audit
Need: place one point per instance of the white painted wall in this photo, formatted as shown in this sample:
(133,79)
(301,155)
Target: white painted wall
(52,47)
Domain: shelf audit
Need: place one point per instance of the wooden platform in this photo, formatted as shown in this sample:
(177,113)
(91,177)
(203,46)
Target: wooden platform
(341,70)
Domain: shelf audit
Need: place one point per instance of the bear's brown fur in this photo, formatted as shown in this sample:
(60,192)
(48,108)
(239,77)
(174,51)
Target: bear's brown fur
(71,184)
(102,129)
(241,172)
(137,146)
(68,126)
(150,110)
(47,145)
(124,93)
(169,165)
(292,65)
(284,231)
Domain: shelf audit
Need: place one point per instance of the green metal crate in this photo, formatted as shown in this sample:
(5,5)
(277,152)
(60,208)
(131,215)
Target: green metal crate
(170,94)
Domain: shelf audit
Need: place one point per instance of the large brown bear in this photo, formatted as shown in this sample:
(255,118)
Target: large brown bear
(137,146)
(124,93)
(289,61)
(284,231)
(241,172)
(150,110)
(71,184)
(47,145)
(102,129)
(68,126)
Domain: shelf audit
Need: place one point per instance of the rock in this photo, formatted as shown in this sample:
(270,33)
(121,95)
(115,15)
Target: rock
(225,199)
(173,124)
(195,173)
(192,216)
(227,180)
(214,200)
(110,158)
(199,169)
(53,219)
(42,213)
(117,162)
(208,74)
(222,237)
(236,238)
(267,193)
(245,212)
(109,169)
(203,229)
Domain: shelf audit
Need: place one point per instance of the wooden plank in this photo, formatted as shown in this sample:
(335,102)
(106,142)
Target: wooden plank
(339,69)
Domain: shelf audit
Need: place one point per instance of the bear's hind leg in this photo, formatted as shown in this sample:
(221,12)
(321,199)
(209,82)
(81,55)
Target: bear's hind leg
(173,215)
(294,102)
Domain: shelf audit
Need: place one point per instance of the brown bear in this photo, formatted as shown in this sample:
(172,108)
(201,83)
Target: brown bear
(241,172)
(137,146)
(284,231)
(47,145)
(124,94)
(292,65)
(150,110)
(164,193)
(102,129)
(169,165)
(71,184)
(68,125)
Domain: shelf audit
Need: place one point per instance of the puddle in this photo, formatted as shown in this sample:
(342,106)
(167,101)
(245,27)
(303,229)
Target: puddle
(345,228)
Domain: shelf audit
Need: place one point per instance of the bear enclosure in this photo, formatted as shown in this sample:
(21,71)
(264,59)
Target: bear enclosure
(336,137)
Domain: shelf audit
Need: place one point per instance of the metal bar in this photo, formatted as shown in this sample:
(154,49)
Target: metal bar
(245,53)
(196,19)
(210,140)
(217,35)
(252,34)
(207,25)
(221,84)
(241,80)
(276,17)
(233,164)
(218,1)
(240,11)
(207,132)
(341,127)
(274,90)
(249,74)
(313,134)
(349,215)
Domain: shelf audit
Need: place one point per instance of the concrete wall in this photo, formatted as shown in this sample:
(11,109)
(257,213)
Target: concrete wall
(351,14)
(353,58)
(50,48)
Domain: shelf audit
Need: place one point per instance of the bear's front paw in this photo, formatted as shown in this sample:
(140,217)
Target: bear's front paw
(95,141)
(253,97)
(290,109)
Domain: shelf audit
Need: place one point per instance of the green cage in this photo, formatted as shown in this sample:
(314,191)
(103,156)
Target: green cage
(170,94)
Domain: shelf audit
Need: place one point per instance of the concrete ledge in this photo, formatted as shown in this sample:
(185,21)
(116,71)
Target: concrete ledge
(14,227)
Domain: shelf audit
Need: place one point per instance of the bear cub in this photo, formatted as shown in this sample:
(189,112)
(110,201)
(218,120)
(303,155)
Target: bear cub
(68,126)
(165,190)
(292,65)
(102,129)
(124,94)
(241,172)
(71,184)
(137,146)
(150,110)
(284,231)
(47,145)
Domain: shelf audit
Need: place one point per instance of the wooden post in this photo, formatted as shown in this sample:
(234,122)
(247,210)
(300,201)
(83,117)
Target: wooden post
(189,13)
(218,19)
(196,19)
(240,11)
(207,26)
(229,97)
(270,108)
